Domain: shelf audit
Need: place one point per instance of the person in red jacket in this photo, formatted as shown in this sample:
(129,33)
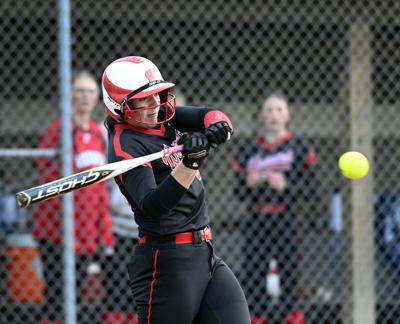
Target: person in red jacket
(92,220)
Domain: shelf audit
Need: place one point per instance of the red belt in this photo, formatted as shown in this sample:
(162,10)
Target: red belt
(180,238)
(271,208)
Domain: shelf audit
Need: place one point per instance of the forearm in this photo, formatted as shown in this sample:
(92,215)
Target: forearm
(154,200)
(183,175)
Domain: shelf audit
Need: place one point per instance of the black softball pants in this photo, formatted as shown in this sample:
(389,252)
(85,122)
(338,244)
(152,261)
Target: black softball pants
(271,236)
(185,284)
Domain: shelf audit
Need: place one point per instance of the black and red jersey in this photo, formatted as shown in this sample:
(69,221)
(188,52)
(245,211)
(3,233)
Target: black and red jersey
(290,156)
(160,204)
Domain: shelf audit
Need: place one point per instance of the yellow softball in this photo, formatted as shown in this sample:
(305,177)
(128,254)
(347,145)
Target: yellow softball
(354,165)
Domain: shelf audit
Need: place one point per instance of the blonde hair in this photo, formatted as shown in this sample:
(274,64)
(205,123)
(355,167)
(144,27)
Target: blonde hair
(84,74)
(277,95)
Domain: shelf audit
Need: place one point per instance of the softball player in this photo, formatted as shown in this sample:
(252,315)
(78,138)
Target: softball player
(175,277)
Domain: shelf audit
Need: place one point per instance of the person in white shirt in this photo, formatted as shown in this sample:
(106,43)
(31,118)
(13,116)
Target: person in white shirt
(119,302)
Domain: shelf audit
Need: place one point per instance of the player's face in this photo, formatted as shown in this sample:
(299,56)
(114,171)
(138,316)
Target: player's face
(275,115)
(85,95)
(147,117)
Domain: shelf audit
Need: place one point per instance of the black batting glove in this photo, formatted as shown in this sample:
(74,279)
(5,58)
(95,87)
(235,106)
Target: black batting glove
(218,133)
(195,149)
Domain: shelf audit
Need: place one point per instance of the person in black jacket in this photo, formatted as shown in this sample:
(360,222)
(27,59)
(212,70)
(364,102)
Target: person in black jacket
(274,169)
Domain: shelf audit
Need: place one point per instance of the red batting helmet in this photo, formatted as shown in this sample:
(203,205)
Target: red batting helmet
(135,77)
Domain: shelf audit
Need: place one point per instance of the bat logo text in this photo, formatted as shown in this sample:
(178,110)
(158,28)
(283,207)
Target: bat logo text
(67,184)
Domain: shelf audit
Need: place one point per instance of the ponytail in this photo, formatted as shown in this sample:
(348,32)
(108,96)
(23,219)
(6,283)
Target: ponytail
(109,123)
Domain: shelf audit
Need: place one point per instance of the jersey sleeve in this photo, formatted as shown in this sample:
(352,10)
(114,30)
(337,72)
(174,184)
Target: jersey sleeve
(149,198)
(238,165)
(303,177)
(190,119)
(195,119)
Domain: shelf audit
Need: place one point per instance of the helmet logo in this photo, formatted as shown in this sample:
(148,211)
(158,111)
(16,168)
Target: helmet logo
(151,74)
(136,59)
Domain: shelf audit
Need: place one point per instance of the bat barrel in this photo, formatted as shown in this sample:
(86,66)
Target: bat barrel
(86,178)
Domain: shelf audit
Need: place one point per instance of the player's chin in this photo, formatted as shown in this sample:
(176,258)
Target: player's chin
(152,120)
(149,123)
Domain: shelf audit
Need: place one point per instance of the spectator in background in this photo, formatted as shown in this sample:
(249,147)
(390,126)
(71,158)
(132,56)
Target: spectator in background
(387,211)
(11,217)
(274,170)
(92,221)
(119,302)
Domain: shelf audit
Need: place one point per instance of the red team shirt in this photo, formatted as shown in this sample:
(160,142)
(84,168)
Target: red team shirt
(92,220)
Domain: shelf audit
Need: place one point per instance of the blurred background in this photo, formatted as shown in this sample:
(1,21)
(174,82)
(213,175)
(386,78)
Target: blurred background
(337,62)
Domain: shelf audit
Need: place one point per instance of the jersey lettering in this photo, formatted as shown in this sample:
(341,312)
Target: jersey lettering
(277,162)
(89,158)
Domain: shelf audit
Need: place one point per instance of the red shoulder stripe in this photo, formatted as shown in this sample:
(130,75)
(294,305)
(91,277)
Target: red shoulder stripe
(117,145)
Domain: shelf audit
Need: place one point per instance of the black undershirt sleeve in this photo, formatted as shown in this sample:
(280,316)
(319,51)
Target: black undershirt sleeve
(153,200)
(157,200)
(190,119)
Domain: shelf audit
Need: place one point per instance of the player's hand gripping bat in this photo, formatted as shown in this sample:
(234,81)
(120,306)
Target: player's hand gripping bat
(87,178)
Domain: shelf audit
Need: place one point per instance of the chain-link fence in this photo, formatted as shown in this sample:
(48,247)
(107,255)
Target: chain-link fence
(336,243)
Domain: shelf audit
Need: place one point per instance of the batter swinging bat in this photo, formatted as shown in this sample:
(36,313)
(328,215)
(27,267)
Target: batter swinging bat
(87,178)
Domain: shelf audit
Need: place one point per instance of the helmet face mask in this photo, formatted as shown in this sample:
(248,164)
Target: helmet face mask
(135,77)
(165,111)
